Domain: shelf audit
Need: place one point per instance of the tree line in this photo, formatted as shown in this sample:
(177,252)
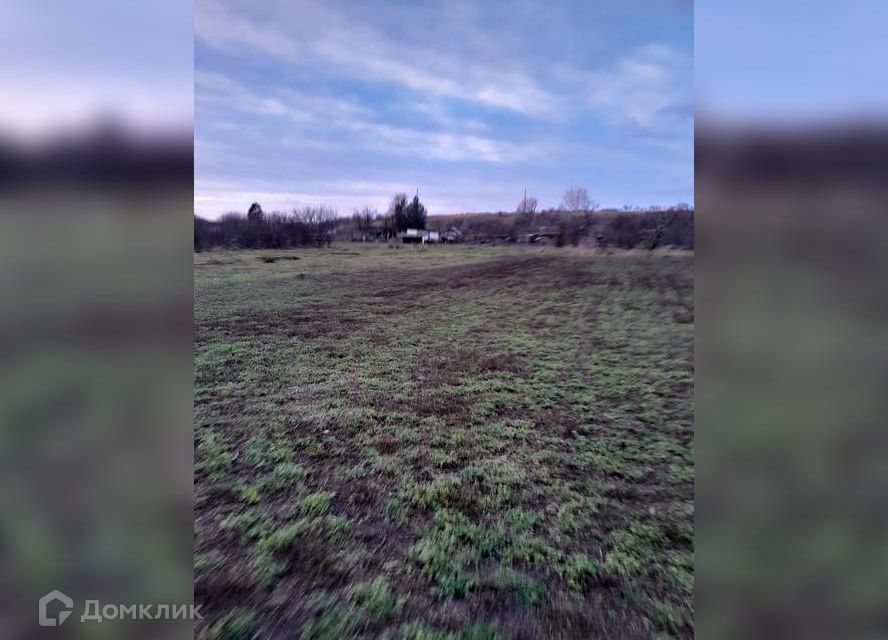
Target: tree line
(627,229)
(577,220)
(577,200)
(305,226)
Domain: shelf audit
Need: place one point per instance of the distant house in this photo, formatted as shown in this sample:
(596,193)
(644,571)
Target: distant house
(419,236)
(411,236)
(452,235)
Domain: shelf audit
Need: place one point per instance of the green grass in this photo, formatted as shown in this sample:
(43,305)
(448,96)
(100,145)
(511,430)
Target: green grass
(579,570)
(236,625)
(284,537)
(316,504)
(375,598)
(284,475)
(411,444)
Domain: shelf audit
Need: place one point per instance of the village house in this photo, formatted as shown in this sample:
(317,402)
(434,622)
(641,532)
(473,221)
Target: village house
(419,236)
(453,235)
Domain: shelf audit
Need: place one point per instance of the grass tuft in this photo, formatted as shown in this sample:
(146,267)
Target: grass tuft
(316,504)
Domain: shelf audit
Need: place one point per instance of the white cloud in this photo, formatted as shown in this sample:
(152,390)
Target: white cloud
(321,36)
(435,144)
(640,89)
(217,26)
(220,90)
(369,89)
(320,114)
(633,91)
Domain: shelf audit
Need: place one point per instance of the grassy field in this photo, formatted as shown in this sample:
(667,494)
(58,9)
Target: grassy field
(443,443)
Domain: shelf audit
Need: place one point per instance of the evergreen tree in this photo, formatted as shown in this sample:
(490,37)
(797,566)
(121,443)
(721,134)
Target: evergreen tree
(398,212)
(416,214)
(255,212)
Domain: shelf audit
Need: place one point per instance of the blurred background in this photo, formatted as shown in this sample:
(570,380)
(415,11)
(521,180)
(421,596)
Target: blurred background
(96,178)
(792,196)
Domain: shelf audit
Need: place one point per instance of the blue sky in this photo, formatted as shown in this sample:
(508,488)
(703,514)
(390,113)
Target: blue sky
(347,103)
(792,61)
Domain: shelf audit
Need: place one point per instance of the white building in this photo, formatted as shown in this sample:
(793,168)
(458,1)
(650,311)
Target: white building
(419,236)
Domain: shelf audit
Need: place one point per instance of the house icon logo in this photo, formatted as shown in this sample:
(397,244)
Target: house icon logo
(44,603)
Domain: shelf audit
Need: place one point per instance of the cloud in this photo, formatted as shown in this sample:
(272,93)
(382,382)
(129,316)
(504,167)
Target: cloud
(320,36)
(441,145)
(647,91)
(455,97)
(220,91)
(319,114)
(217,26)
(634,91)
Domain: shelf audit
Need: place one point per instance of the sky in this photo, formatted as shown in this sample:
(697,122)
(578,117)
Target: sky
(347,103)
(66,66)
(791,62)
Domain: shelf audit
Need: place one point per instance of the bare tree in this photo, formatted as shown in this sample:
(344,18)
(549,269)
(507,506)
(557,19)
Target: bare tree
(362,221)
(662,222)
(319,221)
(368,215)
(577,199)
(527,205)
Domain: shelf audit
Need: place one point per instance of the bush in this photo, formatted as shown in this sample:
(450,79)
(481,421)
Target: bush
(623,231)
(301,227)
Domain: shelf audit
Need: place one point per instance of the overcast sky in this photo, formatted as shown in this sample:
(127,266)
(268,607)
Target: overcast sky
(346,103)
